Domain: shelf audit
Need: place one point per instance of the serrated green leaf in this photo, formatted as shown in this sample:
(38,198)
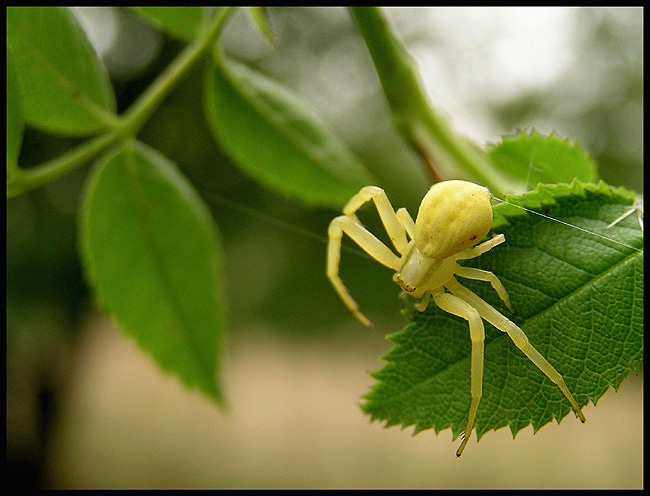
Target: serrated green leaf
(533,158)
(152,255)
(577,296)
(182,22)
(65,89)
(276,138)
(15,120)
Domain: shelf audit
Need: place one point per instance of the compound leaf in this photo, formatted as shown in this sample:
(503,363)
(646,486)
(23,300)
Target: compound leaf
(577,296)
(153,258)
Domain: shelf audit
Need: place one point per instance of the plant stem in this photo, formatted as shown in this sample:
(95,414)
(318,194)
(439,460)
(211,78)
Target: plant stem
(146,104)
(418,122)
(22,180)
(129,124)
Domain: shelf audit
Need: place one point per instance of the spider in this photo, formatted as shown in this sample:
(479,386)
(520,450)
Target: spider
(453,217)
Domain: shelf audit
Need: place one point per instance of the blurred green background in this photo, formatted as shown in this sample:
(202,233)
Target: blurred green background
(85,408)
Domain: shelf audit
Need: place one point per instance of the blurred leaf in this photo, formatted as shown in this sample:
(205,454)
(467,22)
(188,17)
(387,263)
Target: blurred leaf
(534,158)
(578,297)
(65,89)
(15,119)
(260,17)
(182,22)
(153,257)
(277,139)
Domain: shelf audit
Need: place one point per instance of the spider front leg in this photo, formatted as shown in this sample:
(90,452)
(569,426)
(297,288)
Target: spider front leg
(407,221)
(392,222)
(368,243)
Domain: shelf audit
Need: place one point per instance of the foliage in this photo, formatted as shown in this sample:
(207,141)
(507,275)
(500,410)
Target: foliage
(154,258)
(277,138)
(533,158)
(152,253)
(68,94)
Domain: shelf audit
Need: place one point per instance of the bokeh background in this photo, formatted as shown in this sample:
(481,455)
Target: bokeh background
(87,409)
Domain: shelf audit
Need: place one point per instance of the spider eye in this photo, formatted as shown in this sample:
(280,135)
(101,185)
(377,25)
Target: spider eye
(453,216)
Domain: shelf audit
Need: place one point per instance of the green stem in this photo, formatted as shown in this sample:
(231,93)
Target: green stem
(418,122)
(147,103)
(129,124)
(23,180)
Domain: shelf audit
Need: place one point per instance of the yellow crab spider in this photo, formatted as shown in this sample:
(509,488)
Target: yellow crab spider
(453,217)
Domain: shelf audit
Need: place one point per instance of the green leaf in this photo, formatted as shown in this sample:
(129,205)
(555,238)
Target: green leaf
(153,257)
(277,139)
(577,296)
(260,17)
(65,89)
(533,158)
(182,22)
(15,120)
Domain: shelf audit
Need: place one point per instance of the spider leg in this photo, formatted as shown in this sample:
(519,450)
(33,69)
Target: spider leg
(619,219)
(424,302)
(457,306)
(486,275)
(389,218)
(518,337)
(368,243)
(480,249)
(407,221)
(639,217)
(637,207)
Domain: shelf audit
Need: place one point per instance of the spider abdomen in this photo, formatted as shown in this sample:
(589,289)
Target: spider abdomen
(453,216)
